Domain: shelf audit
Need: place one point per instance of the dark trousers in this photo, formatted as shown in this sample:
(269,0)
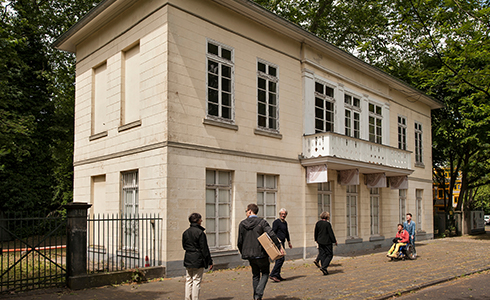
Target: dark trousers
(276,271)
(260,275)
(325,255)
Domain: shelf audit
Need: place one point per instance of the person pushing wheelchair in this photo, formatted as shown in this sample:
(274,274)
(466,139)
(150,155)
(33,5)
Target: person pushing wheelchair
(401,239)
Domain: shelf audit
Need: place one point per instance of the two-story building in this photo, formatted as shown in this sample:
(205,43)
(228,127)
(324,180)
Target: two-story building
(208,105)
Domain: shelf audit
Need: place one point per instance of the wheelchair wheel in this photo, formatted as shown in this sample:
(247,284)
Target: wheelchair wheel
(409,252)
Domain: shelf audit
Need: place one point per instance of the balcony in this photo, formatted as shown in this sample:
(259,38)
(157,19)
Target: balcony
(341,152)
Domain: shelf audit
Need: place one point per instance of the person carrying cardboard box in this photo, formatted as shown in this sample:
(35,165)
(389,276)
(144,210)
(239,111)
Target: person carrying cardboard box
(249,231)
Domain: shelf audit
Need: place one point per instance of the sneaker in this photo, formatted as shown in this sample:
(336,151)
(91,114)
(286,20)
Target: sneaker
(317,263)
(275,279)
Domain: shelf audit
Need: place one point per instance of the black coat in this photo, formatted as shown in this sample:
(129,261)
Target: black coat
(324,233)
(248,232)
(196,248)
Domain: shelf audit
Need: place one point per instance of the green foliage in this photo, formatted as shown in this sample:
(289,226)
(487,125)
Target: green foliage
(36,104)
(440,47)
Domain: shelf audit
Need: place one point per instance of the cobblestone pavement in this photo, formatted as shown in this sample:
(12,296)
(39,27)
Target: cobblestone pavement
(367,276)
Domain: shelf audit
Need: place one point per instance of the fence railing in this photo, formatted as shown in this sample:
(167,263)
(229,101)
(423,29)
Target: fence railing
(118,242)
(32,251)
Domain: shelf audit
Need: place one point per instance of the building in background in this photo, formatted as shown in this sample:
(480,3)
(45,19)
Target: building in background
(206,106)
(441,191)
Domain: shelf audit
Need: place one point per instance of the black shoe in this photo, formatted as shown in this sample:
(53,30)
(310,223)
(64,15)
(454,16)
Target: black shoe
(325,272)
(317,263)
(281,279)
(275,279)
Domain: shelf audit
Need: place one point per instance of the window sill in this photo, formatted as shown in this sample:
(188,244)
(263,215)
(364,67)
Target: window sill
(220,252)
(221,124)
(97,136)
(419,165)
(129,126)
(376,238)
(265,132)
(353,241)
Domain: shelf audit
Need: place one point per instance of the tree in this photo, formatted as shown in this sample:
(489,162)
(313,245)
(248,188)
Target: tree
(36,103)
(439,47)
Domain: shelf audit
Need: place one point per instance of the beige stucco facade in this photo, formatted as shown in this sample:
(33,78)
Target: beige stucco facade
(166,135)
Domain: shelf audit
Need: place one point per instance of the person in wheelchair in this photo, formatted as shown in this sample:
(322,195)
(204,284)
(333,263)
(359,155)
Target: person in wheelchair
(401,239)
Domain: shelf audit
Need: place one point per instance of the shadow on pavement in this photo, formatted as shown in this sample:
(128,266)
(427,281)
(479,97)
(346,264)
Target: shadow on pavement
(222,298)
(284,297)
(294,277)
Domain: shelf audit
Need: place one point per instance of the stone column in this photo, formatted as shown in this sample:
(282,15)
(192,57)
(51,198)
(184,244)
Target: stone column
(76,242)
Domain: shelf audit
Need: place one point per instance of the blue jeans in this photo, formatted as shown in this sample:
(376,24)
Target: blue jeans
(276,271)
(412,241)
(260,266)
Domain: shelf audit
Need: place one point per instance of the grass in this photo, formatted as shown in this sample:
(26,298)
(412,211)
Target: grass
(25,271)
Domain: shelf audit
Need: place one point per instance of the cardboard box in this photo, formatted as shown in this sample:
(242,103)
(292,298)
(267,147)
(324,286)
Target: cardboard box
(269,246)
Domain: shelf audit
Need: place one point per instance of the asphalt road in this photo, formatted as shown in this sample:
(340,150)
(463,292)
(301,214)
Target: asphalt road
(476,286)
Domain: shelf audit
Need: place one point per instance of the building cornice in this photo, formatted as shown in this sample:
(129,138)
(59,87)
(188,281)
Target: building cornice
(108,10)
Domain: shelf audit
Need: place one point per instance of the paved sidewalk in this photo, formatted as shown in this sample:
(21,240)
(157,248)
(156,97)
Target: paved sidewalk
(368,276)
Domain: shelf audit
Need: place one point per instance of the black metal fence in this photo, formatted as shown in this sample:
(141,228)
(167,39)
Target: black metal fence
(118,242)
(32,251)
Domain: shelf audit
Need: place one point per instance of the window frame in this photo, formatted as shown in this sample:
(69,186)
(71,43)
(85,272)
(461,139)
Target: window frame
(326,99)
(376,134)
(217,187)
(324,194)
(352,214)
(129,226)
(375,199)
(419,159)
(354,110)
(402,132)
(218,59)
(269,79)
(267,190)
(418,208)
(402,204)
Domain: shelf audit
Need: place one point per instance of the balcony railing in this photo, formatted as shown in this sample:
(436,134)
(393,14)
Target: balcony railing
(335,145)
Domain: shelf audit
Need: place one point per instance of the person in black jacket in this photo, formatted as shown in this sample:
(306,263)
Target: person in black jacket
(325,238)
(248,232)
(197,256)
(280,228)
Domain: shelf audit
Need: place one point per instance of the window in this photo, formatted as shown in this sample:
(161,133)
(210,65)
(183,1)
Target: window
(418,143)
(402,200)
(266,196)
(99,104)
(352,210)
(267,81)
(218,207)
(440,193)
(220,82)
(352,115)
(324,108)
(131,89)
(418,203)
(402,133)
(324,198)
(130,203)
(374,192)
(375,121)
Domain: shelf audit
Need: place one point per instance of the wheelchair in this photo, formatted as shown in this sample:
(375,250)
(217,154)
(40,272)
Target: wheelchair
(405,252)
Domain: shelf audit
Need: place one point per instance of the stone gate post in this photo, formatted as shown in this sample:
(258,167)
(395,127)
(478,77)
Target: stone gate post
(76,242)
